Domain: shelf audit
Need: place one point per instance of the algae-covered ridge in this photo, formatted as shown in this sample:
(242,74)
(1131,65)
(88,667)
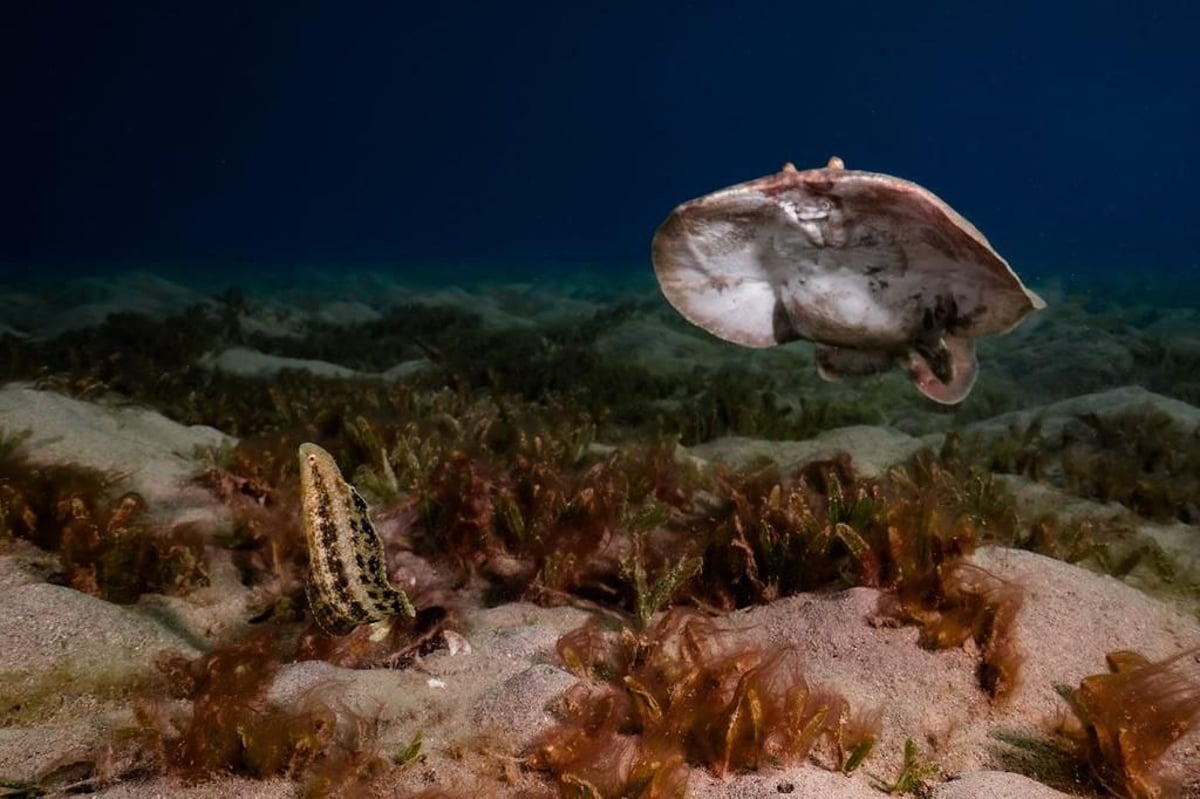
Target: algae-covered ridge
(529,465)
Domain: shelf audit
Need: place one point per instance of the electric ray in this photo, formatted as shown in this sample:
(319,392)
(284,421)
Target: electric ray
(876,270)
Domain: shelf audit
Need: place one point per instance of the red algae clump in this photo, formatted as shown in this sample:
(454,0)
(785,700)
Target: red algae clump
(687,693)
(1127,719)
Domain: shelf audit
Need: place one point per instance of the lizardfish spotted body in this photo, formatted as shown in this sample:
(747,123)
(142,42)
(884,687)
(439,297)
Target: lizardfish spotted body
(347,577)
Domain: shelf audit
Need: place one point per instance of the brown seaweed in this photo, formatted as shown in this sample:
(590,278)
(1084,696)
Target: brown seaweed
(687,693)
(105,543)
(1125,720)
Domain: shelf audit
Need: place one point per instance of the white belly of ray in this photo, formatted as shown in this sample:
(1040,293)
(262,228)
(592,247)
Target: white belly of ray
(831,307)
(347,584)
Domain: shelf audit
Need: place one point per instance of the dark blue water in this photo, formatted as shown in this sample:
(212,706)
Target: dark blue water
(467,139)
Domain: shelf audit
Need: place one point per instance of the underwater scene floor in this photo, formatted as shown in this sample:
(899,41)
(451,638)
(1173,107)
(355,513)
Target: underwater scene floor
(641,562)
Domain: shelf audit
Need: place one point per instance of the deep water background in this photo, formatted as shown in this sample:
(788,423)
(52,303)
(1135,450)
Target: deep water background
(219,141)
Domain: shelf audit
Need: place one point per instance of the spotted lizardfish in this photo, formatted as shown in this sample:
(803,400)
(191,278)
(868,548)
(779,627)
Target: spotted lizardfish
(347,575)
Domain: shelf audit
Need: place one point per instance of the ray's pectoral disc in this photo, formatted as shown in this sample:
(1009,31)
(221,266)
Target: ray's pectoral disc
(347,570)
(876,270)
